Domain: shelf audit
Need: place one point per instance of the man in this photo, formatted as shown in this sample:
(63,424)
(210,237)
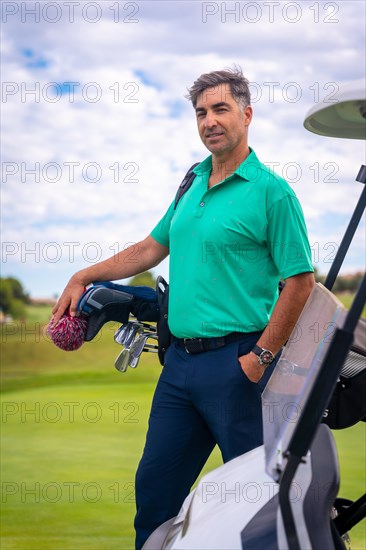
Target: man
(232,235)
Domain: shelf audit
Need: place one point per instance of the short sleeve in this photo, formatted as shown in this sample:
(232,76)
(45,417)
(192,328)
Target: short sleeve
(287,238)
(161,231)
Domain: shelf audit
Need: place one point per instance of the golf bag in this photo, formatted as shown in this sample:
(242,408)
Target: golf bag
(348,405)
(107,301)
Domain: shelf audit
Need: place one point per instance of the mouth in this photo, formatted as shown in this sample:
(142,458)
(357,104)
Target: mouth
(214,135)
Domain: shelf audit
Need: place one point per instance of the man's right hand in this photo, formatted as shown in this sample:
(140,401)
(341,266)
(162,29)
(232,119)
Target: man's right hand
(68,299)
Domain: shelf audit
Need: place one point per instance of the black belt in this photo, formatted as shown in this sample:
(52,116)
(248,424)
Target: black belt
(199,345)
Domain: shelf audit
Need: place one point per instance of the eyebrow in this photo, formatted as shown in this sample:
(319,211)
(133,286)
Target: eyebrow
(214,106)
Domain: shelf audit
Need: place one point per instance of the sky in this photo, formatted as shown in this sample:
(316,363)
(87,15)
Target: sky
(97,133)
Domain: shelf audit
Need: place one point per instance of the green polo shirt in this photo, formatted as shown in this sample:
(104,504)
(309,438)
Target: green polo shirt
(229,246)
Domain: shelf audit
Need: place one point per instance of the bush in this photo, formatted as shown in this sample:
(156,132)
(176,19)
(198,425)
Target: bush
(12,297)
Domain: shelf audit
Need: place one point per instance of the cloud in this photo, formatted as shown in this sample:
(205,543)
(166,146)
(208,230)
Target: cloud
(97,134)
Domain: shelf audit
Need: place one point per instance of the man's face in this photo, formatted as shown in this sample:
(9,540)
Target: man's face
(222,126)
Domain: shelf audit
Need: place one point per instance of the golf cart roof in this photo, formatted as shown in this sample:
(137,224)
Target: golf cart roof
(342,116)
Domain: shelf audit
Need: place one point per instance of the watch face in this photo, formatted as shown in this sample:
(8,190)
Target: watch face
(266,357)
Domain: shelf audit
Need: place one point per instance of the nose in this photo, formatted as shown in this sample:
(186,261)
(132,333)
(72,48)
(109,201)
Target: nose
(210,120)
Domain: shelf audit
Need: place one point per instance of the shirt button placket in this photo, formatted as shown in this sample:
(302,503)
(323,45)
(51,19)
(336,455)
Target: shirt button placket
(200,209)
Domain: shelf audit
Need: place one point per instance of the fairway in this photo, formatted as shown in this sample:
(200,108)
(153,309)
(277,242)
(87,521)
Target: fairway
(73,431)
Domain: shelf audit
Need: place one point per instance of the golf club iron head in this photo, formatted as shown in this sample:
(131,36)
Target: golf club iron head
(121,333)
(136,349)
(132,332)
(121,363)
(133,336)
(139,345)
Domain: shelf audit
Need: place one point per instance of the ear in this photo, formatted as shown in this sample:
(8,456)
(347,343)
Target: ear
(247,115)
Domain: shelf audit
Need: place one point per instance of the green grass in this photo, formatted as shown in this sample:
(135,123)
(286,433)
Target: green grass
(347,298)
(72,433)
(70,465)
(38,314)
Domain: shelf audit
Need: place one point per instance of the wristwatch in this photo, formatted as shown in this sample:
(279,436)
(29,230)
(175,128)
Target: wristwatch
(265,356)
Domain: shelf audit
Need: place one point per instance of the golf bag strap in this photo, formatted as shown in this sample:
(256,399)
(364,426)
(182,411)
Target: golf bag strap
(162,328)
(186,184)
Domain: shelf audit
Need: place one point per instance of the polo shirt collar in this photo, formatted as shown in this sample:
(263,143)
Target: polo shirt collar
(244,170)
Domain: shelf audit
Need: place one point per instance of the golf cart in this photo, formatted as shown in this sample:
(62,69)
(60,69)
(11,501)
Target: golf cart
(283,494)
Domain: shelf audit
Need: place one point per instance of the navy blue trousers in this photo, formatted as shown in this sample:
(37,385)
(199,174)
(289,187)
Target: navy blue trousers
(200,400)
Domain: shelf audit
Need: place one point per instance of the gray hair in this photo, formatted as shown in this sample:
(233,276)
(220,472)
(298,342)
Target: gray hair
(239,85)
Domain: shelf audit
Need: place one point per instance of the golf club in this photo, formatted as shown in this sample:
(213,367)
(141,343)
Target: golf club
(121,332)
(139,345)
(121,362)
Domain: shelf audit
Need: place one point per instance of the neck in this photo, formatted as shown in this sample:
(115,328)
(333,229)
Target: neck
(225,165)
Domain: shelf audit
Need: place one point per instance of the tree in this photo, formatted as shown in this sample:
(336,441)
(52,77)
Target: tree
(144,279)
(6,295)
(12,297)
(18,290)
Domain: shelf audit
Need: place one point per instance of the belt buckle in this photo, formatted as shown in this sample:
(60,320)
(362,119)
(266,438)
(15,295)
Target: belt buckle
(194,341)
(185,340)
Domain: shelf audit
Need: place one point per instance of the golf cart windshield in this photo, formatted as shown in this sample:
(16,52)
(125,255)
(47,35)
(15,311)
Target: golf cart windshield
(288,388)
